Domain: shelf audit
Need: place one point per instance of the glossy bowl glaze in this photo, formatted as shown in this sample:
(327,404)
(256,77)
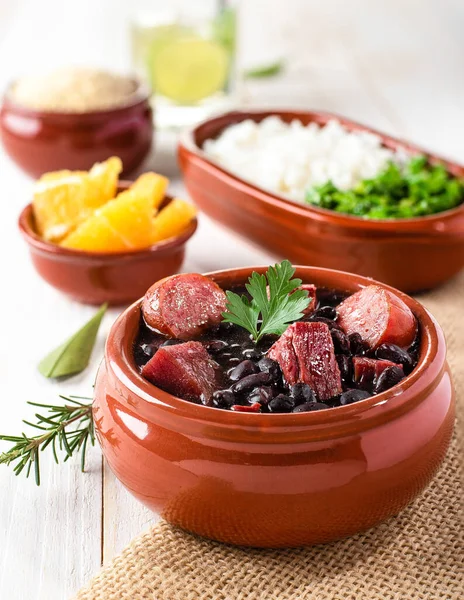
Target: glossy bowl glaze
(410,254)
(94,277)
(39,141)
(275,480)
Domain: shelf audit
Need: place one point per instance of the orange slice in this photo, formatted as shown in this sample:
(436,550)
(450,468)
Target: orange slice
(64,199)
(172,220)
(151,185)
(125,223)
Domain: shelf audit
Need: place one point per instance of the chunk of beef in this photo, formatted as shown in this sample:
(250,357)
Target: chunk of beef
(368,370)
(185,370)
(305,353)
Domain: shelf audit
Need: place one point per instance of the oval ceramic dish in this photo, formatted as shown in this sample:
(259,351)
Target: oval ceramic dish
(95,277)
(40,141)
(410,254)
(275,480)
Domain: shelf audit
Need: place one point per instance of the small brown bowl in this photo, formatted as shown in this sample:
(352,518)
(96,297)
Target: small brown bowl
(410,254)
(275,480)
(94,277)
(40,141)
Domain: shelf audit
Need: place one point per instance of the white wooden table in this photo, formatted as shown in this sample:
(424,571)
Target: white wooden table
(396,65)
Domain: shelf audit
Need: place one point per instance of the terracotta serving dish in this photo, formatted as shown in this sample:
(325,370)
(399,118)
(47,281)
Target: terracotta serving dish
(94,278)
(410,254)
(40,141)
(275,480)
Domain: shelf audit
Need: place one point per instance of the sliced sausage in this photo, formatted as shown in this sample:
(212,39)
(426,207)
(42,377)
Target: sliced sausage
(184,306)
(378,316)
(185,370)
(305,353)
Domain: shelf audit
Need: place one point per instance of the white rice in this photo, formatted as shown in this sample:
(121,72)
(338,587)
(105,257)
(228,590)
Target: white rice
(291,158)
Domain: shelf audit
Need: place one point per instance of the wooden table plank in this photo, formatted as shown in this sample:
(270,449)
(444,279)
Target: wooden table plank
(50,536)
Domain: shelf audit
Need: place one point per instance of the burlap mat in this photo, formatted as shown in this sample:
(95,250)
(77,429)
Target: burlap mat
(418,555)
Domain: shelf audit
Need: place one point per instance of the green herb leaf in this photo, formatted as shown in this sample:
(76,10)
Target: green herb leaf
(70,425)
(263,71)
(242,312)
(414,189)
(74,354)
(275,302)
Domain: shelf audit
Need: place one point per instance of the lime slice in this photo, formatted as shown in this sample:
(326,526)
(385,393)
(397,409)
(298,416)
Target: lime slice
(189,70)
(157,38)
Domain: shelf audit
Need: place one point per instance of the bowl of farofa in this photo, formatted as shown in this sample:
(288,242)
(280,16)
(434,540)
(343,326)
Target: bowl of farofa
(74,118)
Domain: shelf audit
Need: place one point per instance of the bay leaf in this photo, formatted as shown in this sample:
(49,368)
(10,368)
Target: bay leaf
(270,70)
(73,355)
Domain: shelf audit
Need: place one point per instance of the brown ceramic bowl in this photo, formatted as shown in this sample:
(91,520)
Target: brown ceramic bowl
(275,480)
(94,277)
(410,254)
(39,141)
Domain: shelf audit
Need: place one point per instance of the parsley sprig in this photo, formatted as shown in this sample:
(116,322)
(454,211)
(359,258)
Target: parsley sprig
(275,302)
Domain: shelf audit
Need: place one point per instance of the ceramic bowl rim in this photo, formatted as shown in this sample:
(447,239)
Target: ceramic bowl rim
(187,142)
(363,414)
(34,240)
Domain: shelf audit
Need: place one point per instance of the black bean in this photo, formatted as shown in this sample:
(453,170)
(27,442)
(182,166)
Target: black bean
(388,378)
(357,346)
(281,404)
(262,395)
(310,406)
(172,342)
(233,361)
(216,346)
(346,367)
(224,399)
(351,396)
(302,393)
(244,368)
(148,350)
(252,354)
(267,365)
(330,324)
(229,327)
(251,381)
(266,342)
(340,342)
(395,354)
(327,312)
(330,298)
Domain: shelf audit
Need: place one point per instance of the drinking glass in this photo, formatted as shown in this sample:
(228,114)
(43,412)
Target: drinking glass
(186,54)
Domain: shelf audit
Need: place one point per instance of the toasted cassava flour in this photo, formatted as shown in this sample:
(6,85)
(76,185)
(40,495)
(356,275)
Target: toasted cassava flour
(73,90)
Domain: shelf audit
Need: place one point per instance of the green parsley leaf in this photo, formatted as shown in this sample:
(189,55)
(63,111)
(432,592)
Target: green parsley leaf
(414,189)
(275,302)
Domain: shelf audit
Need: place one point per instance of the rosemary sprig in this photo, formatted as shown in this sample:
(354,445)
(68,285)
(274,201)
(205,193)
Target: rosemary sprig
(57,431)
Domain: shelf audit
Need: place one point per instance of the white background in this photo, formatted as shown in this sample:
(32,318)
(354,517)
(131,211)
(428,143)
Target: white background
(394,64)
